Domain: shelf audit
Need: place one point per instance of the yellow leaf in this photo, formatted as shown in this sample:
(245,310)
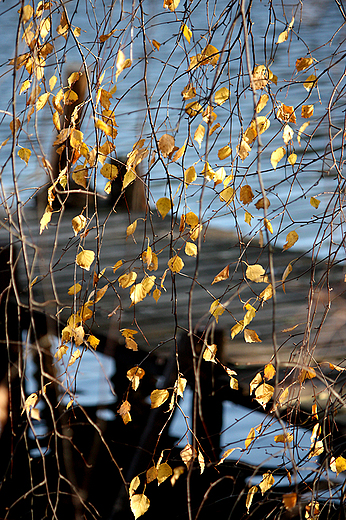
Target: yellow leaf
(188,92)
(76,355)
(78,223)
(277,155)
(291,239)
(164,471)
(127,279)
(309,373)
(301,131)
(207,171)
(194,233)
(107,129)
(164,206)
(263,100)
(282,37)
(243,150)
(286,113)
(175,264)
(251,336)
(131,228)
(269,372)
(186,32)
(307,111)
(100,293)
(260,77)
(121,63)
(214,128)
(237,328)
(42,100)
(190,249)
(249,497)
(267,482)
(177,472)
(314,202)
(303,63)
(46,218)
(248,218)
(171,4)
(80,176)
(264,393)
(227,195)
(216,310)
(181,384)
(76,138)
(190,175)
(74,289)
(139,291)
(220,176)
(250,437)
(310,82)
(124,412)
(151,474)
(222,275)
(221,96)
(287,134)
(134,375)
(268,225)
(199,135)
(188,454)
(285,438)
(85,258)
(109,171)
(249,316)
(193,109)
(338,465)
(267,293)
(210,353)
(256,273)
(263,203)
(158,397)
(292,158)
(255,382)
(61,352)
(289,500)
(24,154)
(139,504)
(93,341)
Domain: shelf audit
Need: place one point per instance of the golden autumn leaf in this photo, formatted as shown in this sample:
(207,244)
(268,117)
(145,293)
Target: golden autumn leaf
(124,412)
(260,77)
(93,341)
(251,336)
(307,111)
(188,92)
(314,202)
(264,393)
(222,275)
(193,109)
(158,397)
(190,175)
(109,171)
(301,130)
(134,375)
(267,482)
(46,218)
(310,82)
(277,155)
(308,373)
(255,382)
(256,273)
(268,225)
(303,63)
(250,438)
(61,352)
(131,228)
(80,176)
(287,134)
(171,4)
(78,223)
(164,471)
(263,100)
(227,195)
(210,353)
(221,96)
(74,289)
(76,355)
(188,454)
(190,249)
(223,153)
(243,149)
(250,314)
(216,309)
(237,328)
(24,154)
(186,32)
(249,497)
(317,448)
(291,239)
(286,113)
(199,135)
(85,258)
(42,100)
(207,171)
(292,158)
(248,218)
(164,206)
(269,372)
(175,264)
(284,437)
(177,472)
(139,291)
(289,500)
(139,504)
(338,465)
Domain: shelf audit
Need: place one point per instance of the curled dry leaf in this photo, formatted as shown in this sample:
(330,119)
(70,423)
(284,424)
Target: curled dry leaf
(246,194)
(124,412)
(188,454)
(216,309)
(134,375)
(78,223)
(264,393)
(255,382)
(269,372)
(249,497)
(166,144)
(158,397)
(223,275)
(210,353)
(251,336)
(291,239)
(267,482)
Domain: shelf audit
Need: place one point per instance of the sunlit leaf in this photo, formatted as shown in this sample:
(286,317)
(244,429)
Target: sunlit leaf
(269,372)
(207,171)
(74,289)
(171,4)
(256,273)
(277,155)
(210,353)
(188,454)
(42,100)
(246,194)
(139,504)
(175,264)
(166,145)
(158,397)
(255,382)
(61,352)
(291,239)
(93,341)
(190,249)
(186,32)
(243,150)
(314,202)
(250,437)
(46,218)
(131,228)
(188,92)
(308,373)
(164,471)
(24,154)
(263,100)
(267,482)
(317,448)
(227,195)
(286,113)
(222,275)
(307,111)
(292,158)
(287,134)
(80,176)
(282,37)
(268,225)
(76,355)
(221,96)
(284,437)
(251,336)
(249,497)
(85,258)
(310,82)
(109,171)
(193,109)
(289,500)
(216,309)
(301,130)
(139,291)
(78,223)
(190,175)
(303,63)
(199,135)
(237,328)
(134,375)
(164,206)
